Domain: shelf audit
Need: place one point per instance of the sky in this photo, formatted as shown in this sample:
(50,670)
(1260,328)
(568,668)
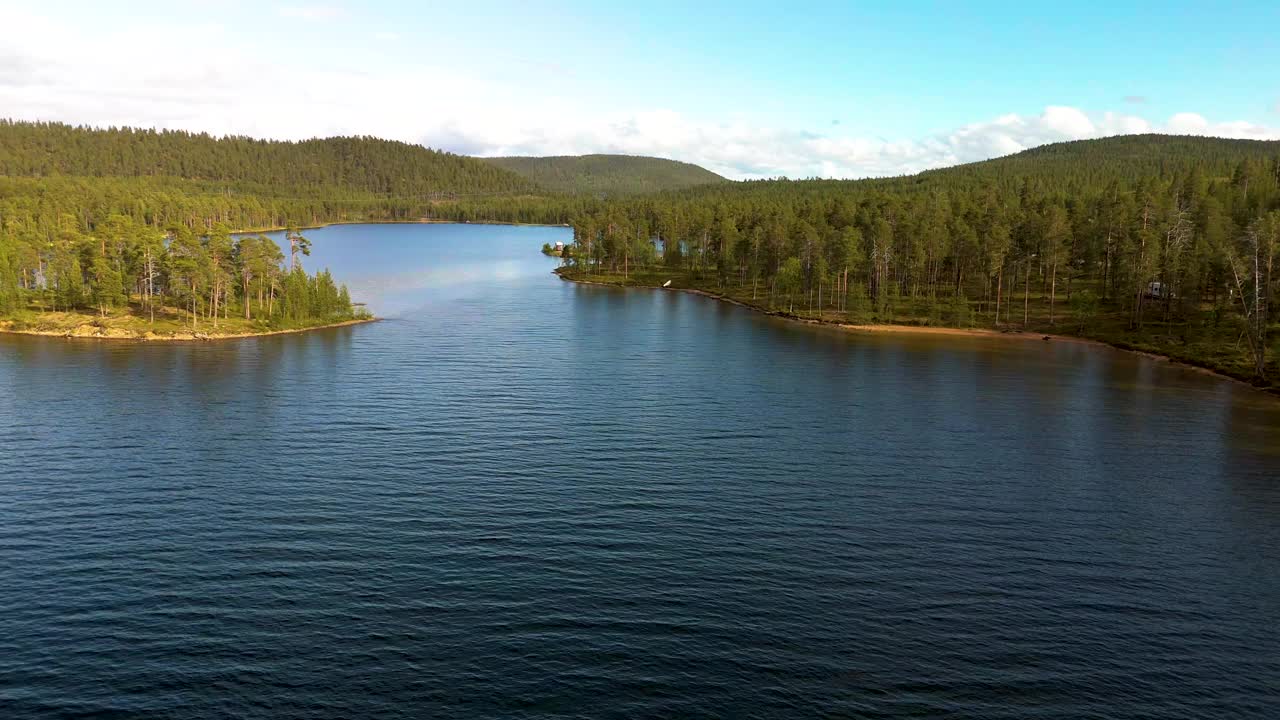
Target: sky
(746,89)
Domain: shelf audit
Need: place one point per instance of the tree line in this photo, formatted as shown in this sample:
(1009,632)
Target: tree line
(306,168)
(1172,238)
(209,273)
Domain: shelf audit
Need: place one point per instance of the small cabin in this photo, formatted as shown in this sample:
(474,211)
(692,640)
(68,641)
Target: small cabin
(559,247)
(1159,291)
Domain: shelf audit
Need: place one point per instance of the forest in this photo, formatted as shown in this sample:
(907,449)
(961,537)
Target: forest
(311,168)
(133,228)
(1157,243)
(203,282)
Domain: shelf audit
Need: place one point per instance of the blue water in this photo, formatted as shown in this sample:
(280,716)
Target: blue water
(518,497)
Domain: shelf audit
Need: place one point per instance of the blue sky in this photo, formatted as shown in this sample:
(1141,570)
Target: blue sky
(748,89)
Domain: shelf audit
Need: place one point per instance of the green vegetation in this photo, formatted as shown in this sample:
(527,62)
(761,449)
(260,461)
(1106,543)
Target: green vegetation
(126,279)
(128,231)
(104,227)
(607,175)
(1163,244)
(328,168)
(160,179)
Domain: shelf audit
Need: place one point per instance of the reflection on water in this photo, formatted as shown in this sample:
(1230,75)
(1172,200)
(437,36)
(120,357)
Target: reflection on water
(519,496)
(401,267)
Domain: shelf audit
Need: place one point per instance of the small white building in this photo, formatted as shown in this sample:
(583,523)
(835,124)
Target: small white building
(1159,291)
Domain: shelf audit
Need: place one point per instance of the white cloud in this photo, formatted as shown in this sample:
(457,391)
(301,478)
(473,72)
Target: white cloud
(1188,123)
(1068,121)
(148,76)
(311,12)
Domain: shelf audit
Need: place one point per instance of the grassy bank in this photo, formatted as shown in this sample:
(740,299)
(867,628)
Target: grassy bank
(134,323)
(1209,342)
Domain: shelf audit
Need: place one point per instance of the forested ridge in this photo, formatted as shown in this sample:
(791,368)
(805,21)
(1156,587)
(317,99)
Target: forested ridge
(48,170)
(608,175)
(310,167)
(1152,242)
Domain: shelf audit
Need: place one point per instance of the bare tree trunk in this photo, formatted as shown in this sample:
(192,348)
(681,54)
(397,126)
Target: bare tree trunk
(1254,331)
(999,287)
(1026,298)
(1137,307)
(151,286)
(1106,267)
(1053,289)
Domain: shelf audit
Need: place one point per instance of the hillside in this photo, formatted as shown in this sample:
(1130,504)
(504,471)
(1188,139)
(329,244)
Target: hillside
(1064,167)
(609,175)
(1120,158)
(52,173)
(337,165)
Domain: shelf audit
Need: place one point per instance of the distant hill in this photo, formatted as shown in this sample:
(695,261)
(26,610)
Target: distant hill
(1067,168)
(608,174)
(1123,157)
(320,167)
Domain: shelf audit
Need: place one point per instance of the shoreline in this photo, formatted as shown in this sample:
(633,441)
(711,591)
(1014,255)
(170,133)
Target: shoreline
(419,221)
(93,332)
(890,328)
(186,336)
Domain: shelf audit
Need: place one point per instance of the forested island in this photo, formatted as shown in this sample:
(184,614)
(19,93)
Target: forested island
(1153,243)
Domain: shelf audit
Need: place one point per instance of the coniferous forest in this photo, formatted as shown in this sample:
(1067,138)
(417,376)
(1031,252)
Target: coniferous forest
(608,175)
(1151,242)
(109,222)
(1156,243)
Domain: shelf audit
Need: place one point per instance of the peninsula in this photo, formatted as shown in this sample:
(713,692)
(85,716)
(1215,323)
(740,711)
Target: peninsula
(1154,243)
(142,283)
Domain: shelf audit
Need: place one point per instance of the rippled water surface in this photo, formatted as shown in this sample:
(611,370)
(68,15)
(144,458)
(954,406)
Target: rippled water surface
(518,497)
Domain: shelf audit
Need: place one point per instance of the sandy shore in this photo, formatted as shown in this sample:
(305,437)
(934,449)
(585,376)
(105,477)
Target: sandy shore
(971,332)
(98,333)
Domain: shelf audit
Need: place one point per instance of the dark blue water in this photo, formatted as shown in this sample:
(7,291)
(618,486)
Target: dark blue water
(518,497)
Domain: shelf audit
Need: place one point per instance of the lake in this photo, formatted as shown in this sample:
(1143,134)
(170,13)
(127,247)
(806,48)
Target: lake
(520,497)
